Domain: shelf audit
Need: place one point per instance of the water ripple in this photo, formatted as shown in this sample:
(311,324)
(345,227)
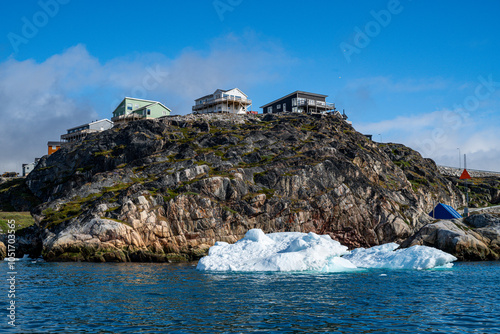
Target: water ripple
(160,298)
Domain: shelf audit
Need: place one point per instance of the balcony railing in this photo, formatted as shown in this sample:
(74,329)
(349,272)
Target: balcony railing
(318,104)
(212,101)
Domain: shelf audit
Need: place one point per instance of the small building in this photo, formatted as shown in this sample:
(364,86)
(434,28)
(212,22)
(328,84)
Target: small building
(27,168)
(232,101)
(131,109)
(81,131)
(53,146)
(299,101)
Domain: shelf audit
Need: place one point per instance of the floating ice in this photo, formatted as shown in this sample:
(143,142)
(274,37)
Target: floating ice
(287,251)
(294,251)
(387,256)
(26,257)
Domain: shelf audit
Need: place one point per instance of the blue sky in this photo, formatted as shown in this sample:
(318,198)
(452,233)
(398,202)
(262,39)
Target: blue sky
(421,73)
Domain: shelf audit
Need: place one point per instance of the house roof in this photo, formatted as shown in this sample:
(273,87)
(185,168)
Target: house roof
(294,93)
(88,124)
(54,143)
(136,99)
(149,105)
(143,100)
(222,90)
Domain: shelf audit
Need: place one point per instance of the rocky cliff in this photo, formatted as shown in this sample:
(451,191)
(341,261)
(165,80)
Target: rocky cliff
(166,190)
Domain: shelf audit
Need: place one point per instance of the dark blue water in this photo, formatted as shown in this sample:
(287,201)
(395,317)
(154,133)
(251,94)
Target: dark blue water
(163,298)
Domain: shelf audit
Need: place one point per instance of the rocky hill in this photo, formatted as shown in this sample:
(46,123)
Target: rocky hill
(166,190)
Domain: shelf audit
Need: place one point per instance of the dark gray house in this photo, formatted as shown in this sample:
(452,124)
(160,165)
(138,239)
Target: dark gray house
(299,101)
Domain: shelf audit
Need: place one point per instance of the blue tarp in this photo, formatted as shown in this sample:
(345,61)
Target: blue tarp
(443,211)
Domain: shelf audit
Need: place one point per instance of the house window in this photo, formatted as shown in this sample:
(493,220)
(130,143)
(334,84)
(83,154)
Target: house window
(129,106)
(301,101)
(278,106)
(294,109)
(311,102)
(294,102)
(149,111)
(270,109)
(54,147)
(284,106)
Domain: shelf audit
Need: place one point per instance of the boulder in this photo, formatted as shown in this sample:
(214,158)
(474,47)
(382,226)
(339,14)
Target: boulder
(456,238)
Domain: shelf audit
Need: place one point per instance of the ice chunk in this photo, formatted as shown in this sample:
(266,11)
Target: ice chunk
(258,236)
(388,256)
(293,251)
(287,251)
(25,257)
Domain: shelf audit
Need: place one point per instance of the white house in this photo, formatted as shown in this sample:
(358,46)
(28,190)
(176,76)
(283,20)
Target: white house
(232,101)
(81,131)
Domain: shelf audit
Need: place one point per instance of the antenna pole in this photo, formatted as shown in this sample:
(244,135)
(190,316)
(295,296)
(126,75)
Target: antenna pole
(466,210)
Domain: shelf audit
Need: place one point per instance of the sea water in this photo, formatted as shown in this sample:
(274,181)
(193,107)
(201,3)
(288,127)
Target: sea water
(178,298)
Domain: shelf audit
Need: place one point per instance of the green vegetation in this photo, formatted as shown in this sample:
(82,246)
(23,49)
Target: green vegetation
(103,153)
(85,169)
(74,208)
(223,173)
(45,168)
(189,193)
(230,210)
(309,127)
(22,219)
(268,192)
(402,163)
(170,195)
(16,189)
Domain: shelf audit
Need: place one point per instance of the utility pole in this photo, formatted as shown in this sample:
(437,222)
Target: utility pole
(466,210)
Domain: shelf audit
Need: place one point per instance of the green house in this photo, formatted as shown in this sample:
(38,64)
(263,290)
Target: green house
(131,109)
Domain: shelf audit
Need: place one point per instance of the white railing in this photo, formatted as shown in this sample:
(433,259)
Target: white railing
(322,104)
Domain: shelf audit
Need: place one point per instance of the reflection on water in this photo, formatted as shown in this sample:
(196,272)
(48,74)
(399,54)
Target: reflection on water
(159,298)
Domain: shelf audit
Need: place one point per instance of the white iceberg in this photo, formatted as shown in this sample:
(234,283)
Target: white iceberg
(286,251)
(389,257)
(294,251)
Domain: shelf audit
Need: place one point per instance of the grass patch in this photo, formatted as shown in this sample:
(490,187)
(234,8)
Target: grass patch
(226,208)
(189,193)
(170,195)
(268,192)
(45,168)
(103,153)
(402,163)
(84,169)
(22,219)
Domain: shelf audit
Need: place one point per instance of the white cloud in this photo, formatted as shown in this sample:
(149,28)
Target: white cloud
(438,135)
(389,85)
(41,100)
